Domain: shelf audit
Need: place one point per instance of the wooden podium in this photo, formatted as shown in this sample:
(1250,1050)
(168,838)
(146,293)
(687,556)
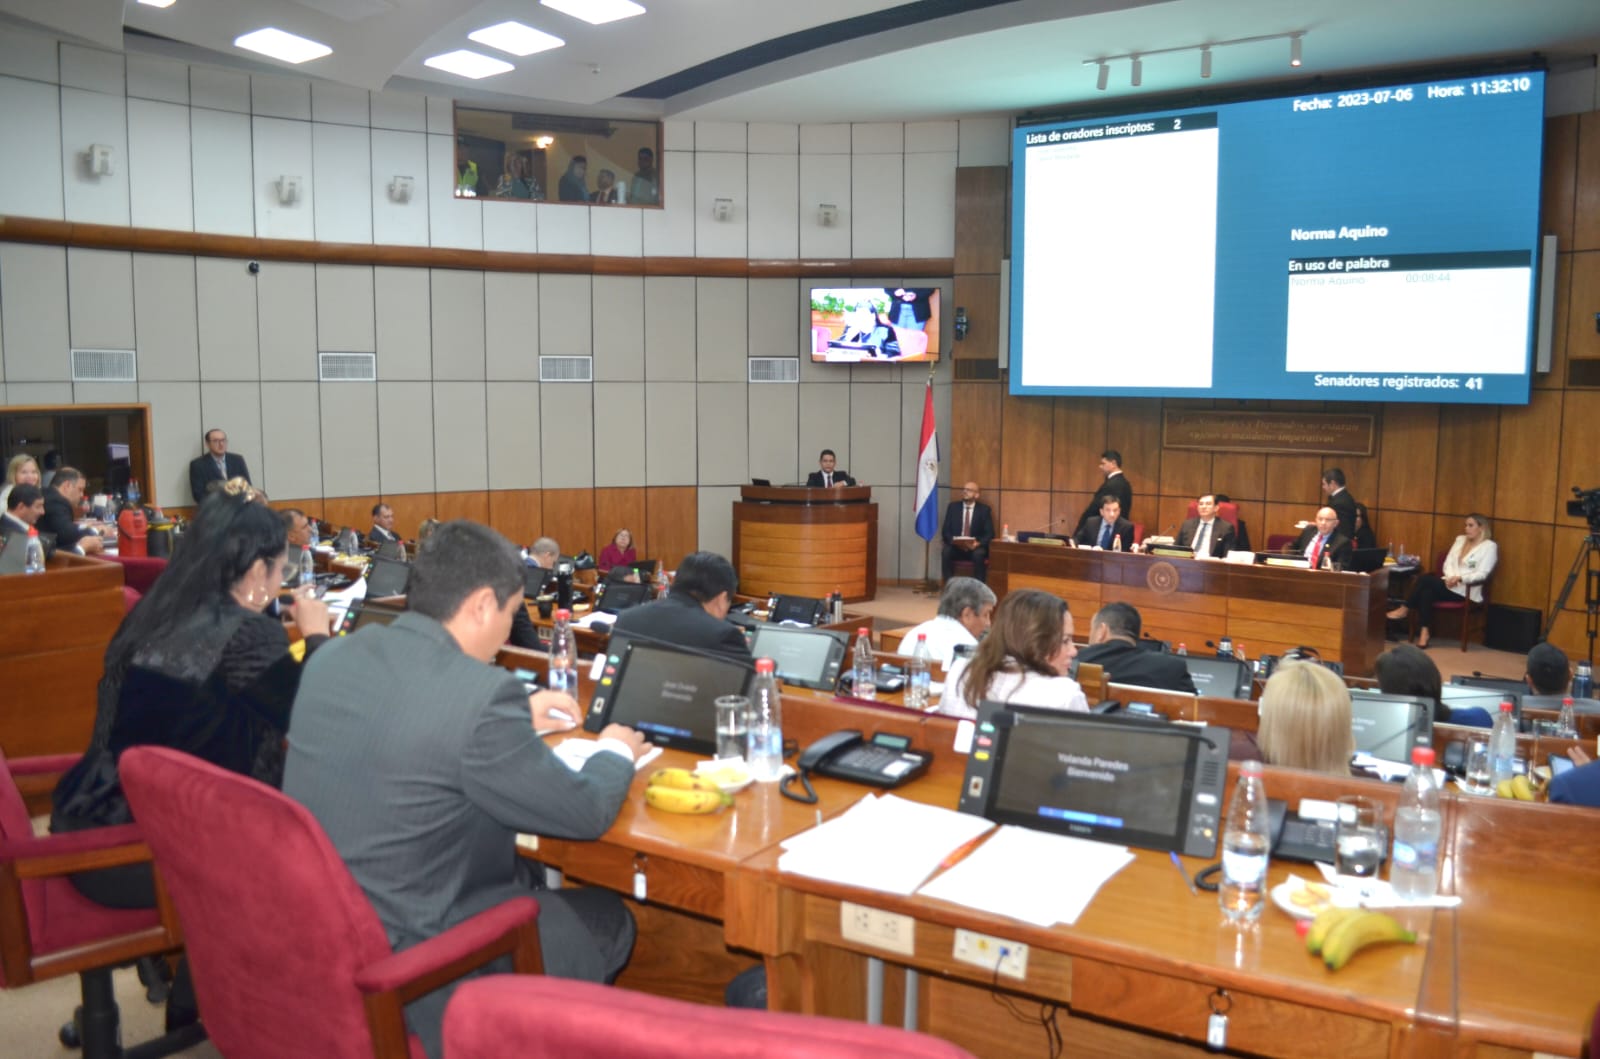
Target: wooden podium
(806,542)
(54,628)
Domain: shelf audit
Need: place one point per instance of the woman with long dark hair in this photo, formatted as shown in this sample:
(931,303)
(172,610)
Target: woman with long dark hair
(1024,659)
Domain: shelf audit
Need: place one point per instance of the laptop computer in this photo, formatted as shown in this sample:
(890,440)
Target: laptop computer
(761,481)
(387,577)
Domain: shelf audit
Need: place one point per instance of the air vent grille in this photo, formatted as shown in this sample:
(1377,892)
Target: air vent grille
(104,365)
(347,367)
(566,369)
(774,369)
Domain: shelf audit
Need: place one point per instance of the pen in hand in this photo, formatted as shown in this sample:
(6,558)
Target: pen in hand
(1178,863)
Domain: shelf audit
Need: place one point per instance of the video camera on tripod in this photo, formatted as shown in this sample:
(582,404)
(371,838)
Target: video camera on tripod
(1586,505)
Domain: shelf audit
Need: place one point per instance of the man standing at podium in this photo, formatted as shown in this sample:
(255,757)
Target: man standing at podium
(827,476)
(968,530)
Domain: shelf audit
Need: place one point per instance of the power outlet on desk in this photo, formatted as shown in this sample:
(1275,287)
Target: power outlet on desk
(1009,958)
(880,929)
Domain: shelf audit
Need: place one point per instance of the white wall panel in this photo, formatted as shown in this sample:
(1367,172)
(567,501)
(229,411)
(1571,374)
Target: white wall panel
(92,69)
(235,409)
(399,110)
(341,183)
(722,327)
(775,207)
(339,104)
(669,330)
(773,321)
(152,77)
(349,438)
(720,176)
(773,138)
(889,518)
(460,437)
(512,226)
(616,232)
(219,89)
(985,141)
(669,231)
(29,55)
(345,312)
(619,328)
(825,139)
(564,321)
(719,136)
(40,392)
(105,393)
(563,228)
(825,178)
(566,433)
(716,524)
(877,205)
(724,412)
(451,221)
(619,445)
(100,299)
(160,170)
(399,154)
(165,317)
(33,312)
(514,452)
(774,435)
(457,299)
(283,148)
(30,165)
(875,431)
(403,310)
(932,136)
(175,424)
(670,434)
(405,437)
(286,299)
(930,204)
(272,96)
(92,118)
(677,135)
(877,138)
(825,423)
(292,432)
(224,197)
(511,326)
(441,116)
(226,313)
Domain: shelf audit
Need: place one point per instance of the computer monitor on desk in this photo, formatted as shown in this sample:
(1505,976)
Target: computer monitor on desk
(667,694)
(810,658)
(1225,678)
(1388,726)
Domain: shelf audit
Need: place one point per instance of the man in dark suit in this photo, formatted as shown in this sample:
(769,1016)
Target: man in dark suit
(1339,498)
(826,476)
(382,531)
(1115,484)
(24,509)
(217,465)
(422,760)
(967,518)
(1207,535)
(1322,543)
(1104,529)
(60,517)
(693,613)
(1114,646)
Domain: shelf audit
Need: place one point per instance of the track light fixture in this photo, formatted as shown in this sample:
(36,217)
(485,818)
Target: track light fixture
(1103,63)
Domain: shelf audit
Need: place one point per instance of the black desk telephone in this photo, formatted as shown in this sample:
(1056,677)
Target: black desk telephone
(882,761)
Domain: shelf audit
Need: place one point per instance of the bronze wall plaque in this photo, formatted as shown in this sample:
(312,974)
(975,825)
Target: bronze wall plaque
(1324,433)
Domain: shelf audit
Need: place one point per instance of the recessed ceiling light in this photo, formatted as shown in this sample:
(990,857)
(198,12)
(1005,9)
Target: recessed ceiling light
(596,12)
(157,3)
(468,64)
(280,45)
(515,38)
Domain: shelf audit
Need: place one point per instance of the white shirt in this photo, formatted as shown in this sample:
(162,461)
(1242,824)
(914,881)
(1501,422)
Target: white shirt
(944,634)
(1022,689)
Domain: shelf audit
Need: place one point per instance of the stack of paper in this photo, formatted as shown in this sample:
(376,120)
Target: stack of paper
(881,843)
(1033,876)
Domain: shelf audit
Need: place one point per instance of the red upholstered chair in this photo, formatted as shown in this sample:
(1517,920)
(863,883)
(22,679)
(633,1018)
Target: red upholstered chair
(1277,542)
(49,930)
(138,574)
(1228,511)
(1138,532)
(554,1018)
(1463,606)
(288,956)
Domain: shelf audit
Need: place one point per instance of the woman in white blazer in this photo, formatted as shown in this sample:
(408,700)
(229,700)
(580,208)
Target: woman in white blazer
(1468,565)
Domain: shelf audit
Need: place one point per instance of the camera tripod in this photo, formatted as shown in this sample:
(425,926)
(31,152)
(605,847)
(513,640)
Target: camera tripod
(1584,563)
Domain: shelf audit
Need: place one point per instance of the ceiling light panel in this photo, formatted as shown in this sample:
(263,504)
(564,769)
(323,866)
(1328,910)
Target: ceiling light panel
(277,44)
(596,12)
(468,64)
(157,3)
(515,39)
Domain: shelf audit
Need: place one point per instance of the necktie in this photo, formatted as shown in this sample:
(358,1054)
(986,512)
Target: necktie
(222,468)
(966,520)
(827,479)
(1316,553)
(1202,539)
(1105,534)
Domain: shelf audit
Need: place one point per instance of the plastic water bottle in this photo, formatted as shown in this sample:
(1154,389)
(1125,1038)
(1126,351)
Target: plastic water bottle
(33,553)
(1583,682)
(1183,649)
(1503,745)
(1569,720)
(920,683)
(864,678)
(661,582)
(765,735)
(772,605)
(563,675)
(1414,868)
(1225,648)
(134,495)
(1246,839)
(308,569)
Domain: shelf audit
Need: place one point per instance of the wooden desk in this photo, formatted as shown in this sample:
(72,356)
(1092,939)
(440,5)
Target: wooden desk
(1268,608)
(806,542)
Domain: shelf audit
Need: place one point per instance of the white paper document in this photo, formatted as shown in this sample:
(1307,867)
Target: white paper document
(1033,876)
(881,843)
(574,752)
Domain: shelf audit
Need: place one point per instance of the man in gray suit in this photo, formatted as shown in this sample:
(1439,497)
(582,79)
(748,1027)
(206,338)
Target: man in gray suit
(422,761)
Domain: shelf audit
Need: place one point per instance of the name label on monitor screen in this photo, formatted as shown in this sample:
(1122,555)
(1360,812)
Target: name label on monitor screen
(666,694)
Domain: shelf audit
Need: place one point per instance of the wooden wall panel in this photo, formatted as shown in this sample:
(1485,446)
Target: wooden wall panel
(517,513)
(1525,475)
(975,433)
(1065,511)
(1239,475)
(1022,509)
(355,511)
(1185,472)
(1025,430)
(1580,450)
(980,218)
(1522,572)
(1279,519)
(1297,480)
(473,506)
(1464,479)
(1586,217)
(569,518)
(1558,196)
(1582,338)
(980,296)
(409,511)
(1409,531)
(1133,428)
(1079,439)
(616,509)
(1408,457)
(672,520)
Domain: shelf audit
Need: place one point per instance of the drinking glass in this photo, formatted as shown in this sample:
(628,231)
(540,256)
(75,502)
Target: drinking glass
(732,726)
(1359,837)
(1478,775)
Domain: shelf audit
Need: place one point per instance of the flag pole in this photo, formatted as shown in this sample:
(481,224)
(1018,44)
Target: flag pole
(930,583)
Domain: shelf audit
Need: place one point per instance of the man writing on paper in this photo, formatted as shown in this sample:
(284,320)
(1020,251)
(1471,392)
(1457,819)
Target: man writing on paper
(1207,536)
(968,531)
(1322,544)
(422,760)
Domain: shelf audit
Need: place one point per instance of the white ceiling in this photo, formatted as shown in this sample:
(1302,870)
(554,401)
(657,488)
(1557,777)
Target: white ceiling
(1000,59)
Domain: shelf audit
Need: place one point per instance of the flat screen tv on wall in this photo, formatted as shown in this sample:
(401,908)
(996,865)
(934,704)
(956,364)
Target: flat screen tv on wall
(874,325)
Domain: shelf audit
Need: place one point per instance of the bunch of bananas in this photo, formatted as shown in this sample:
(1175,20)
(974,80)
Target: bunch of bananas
(681,791)
(1339,933)
(1517,787)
